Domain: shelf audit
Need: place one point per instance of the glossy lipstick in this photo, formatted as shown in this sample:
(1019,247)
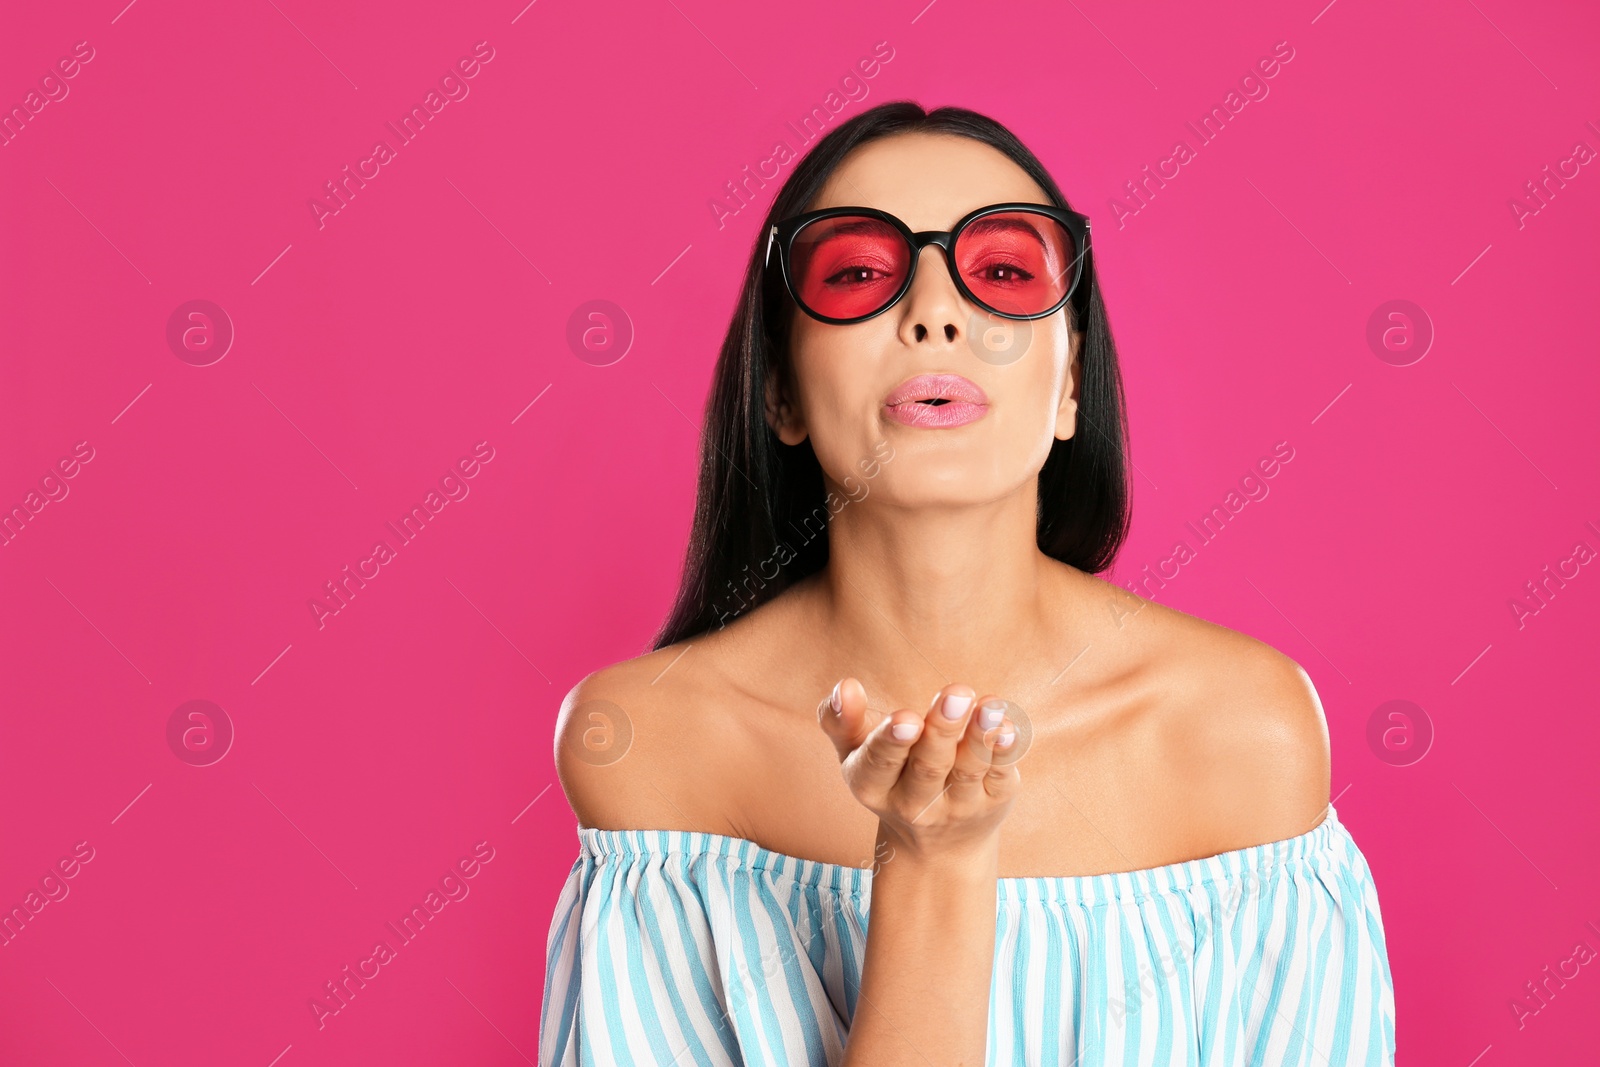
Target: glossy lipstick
(935,401)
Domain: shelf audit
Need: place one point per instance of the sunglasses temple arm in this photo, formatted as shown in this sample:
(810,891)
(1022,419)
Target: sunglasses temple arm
(766,260)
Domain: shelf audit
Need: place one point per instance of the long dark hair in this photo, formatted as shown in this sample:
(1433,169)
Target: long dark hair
(761,513)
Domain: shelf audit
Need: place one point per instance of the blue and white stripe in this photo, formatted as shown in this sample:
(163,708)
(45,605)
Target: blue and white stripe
(681,947)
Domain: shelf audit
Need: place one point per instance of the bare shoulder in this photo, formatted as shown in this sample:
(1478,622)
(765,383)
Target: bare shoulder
(624,736)
(1256,740)
(1242,730)
(652,743)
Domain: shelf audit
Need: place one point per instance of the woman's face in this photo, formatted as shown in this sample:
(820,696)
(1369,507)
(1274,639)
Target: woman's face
(844,375)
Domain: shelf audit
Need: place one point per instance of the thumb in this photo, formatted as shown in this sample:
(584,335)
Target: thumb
(844,718)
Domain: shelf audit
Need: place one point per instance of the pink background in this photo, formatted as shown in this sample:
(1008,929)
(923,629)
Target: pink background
(371,354)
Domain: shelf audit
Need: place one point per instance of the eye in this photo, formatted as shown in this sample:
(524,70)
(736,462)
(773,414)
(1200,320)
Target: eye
(1005,274)
(854,276)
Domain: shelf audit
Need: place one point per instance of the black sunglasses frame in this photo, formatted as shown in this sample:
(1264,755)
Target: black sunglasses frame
(783,234)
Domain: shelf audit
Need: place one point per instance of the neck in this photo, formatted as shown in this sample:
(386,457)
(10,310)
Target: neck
(915,599)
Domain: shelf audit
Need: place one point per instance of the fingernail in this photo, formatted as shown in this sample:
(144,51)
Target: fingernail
(991,714)
(956,705)
(833,701)
(1005,739)
(904,731)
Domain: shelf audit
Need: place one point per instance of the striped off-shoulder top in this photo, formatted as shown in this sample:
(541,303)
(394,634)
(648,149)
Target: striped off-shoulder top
(691,948)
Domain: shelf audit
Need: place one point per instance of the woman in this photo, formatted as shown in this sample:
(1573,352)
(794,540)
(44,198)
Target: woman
(913,467)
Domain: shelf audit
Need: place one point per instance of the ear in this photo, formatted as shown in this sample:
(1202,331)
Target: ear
(1067,412)
(783,415)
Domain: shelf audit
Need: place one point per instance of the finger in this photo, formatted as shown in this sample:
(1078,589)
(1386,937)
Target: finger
(1004,779)
(844,717)
(873,768)
(981,746)
(1004,743)
(927,770)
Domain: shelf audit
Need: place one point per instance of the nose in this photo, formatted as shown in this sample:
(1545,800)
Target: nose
(933,303)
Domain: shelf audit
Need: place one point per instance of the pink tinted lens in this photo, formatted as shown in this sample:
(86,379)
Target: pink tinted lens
(848,266)
(1017,262)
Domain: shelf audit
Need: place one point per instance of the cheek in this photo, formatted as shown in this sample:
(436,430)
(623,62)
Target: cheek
(1062,345)
(841,373)
(1036,350)
(1045,371)
(1039,383)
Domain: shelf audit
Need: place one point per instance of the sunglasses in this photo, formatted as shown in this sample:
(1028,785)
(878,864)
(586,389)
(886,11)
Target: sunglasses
(846,264)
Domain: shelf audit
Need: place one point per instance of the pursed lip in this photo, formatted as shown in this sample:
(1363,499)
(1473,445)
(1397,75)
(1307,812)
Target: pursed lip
(951,387)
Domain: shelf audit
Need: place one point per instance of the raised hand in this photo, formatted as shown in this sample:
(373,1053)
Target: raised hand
(937,779)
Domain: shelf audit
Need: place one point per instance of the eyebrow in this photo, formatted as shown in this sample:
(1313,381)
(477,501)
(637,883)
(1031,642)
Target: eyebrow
(993,223)
(846,224)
